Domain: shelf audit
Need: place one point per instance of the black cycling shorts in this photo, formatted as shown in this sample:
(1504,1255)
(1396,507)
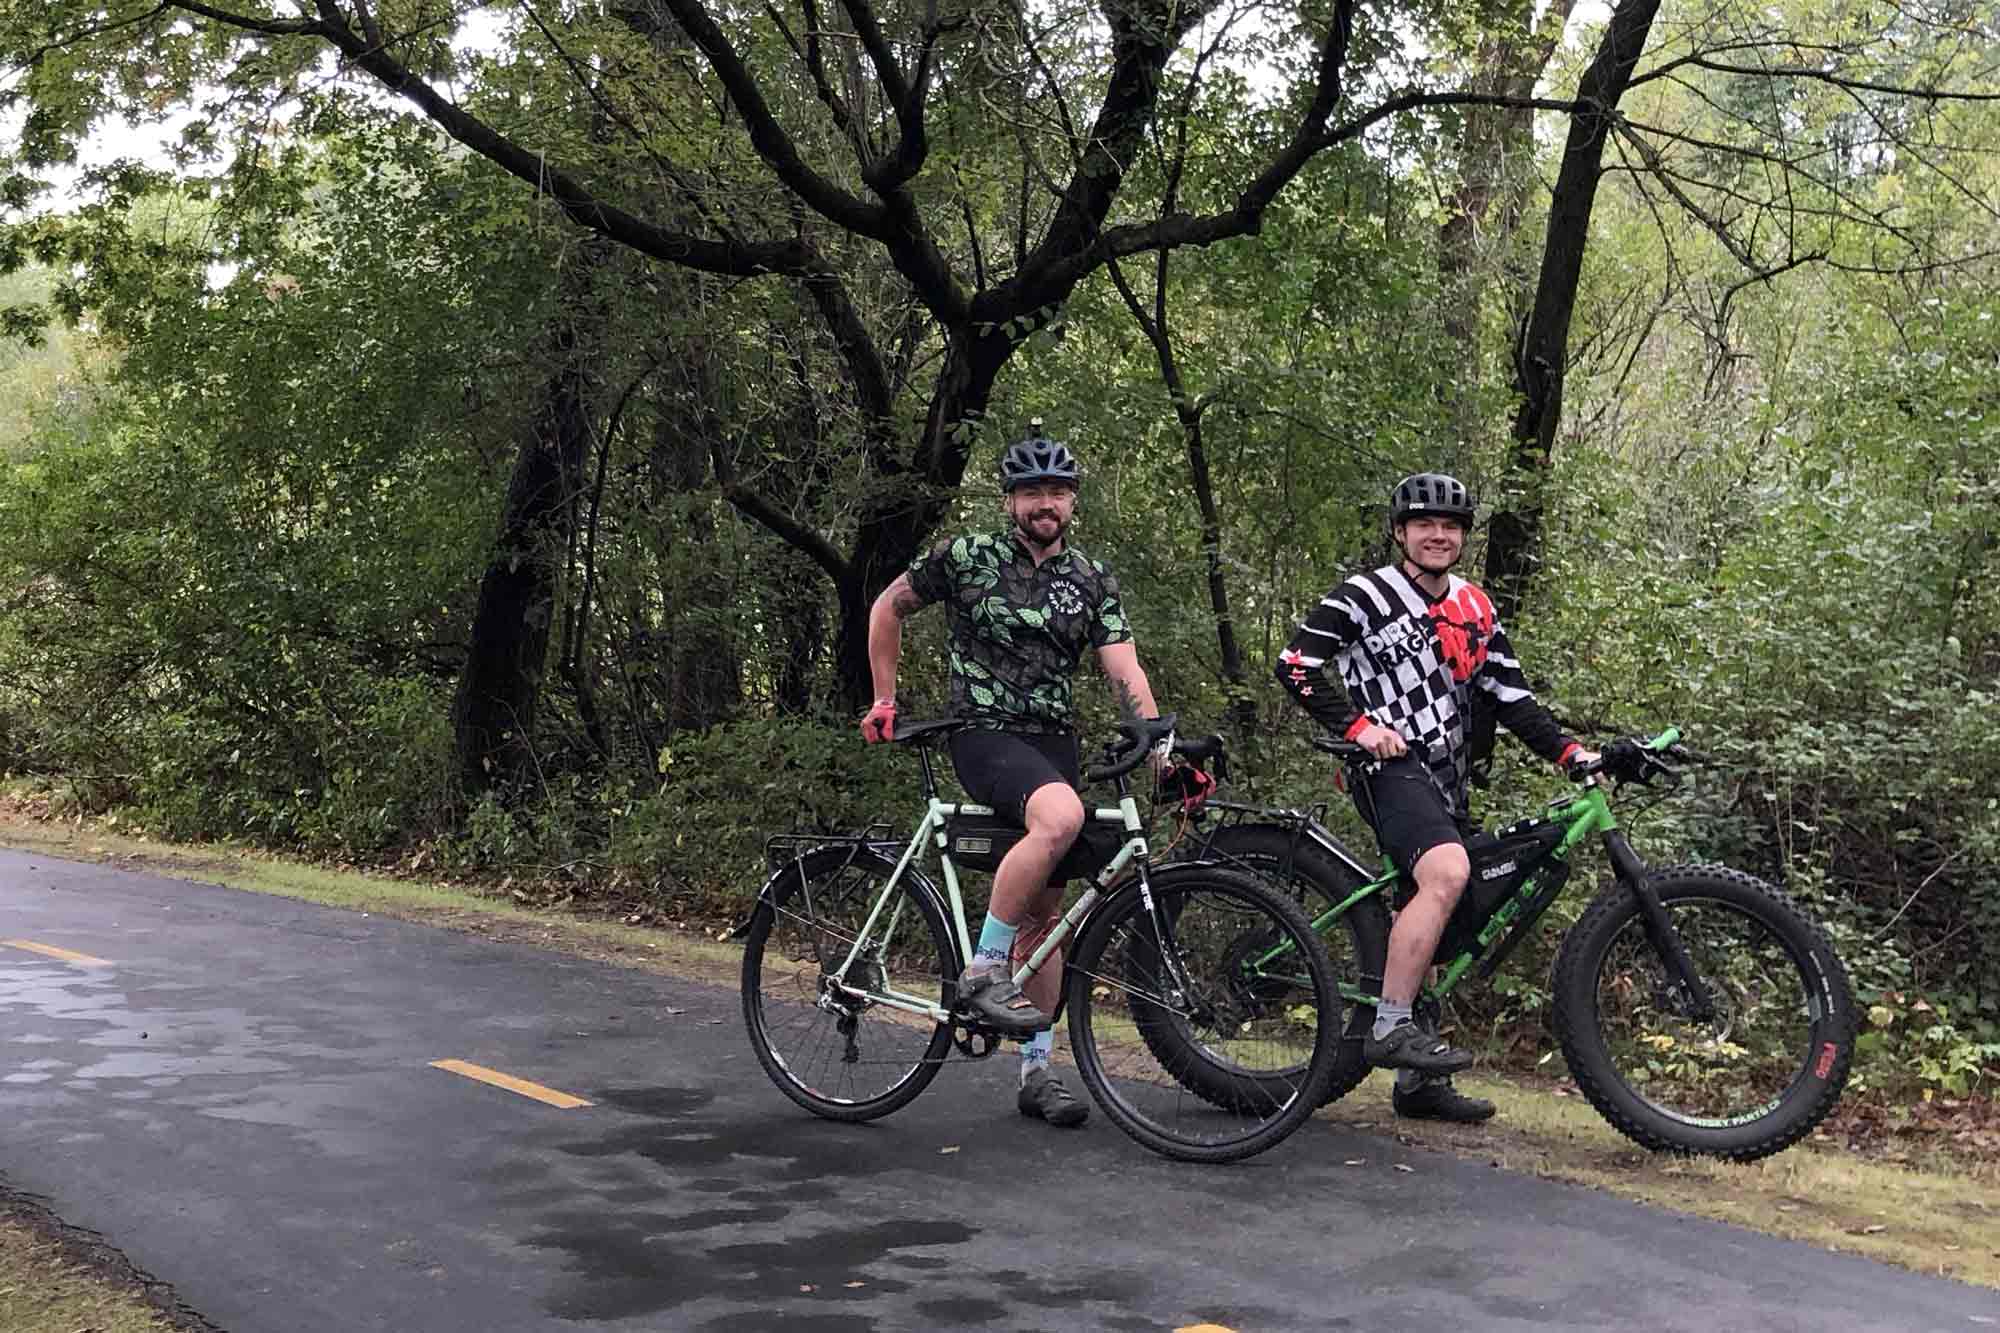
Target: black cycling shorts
(1004,768)
(1402,801)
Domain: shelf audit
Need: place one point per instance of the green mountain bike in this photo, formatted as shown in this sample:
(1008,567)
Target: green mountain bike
(1699,1010)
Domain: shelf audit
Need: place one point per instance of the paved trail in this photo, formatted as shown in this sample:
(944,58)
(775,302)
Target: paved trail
(240,1094)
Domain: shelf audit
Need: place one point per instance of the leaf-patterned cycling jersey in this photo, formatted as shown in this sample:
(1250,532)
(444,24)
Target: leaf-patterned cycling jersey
(1018,629)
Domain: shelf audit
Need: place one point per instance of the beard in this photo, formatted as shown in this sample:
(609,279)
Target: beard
(1032,525)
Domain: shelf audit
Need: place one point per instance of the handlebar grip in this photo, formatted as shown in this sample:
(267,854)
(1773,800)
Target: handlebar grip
(1208,747)
(1143,734)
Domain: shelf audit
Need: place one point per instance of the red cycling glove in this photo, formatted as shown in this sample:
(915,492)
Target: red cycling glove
(1190,784)
(880,724)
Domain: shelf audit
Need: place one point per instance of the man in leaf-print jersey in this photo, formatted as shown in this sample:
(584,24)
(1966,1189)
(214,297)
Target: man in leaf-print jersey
(1023,606)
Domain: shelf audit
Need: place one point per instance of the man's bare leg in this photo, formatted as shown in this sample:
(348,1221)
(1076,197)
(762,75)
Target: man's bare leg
(1441,874)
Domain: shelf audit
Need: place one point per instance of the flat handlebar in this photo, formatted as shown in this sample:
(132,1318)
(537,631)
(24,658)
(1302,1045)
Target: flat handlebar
(1642,758)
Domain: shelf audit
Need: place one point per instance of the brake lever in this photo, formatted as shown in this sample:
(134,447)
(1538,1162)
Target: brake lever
(1655,764)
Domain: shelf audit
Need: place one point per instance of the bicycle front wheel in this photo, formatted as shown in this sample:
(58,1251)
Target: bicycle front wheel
(1357,941)
(1756,1075)
(838,1046)
(1233,973)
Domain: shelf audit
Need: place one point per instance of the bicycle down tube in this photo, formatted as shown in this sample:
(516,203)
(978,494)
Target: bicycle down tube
(932,825)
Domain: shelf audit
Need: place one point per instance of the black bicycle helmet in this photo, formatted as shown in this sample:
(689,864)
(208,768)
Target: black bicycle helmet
(1037,458)
(1430,494)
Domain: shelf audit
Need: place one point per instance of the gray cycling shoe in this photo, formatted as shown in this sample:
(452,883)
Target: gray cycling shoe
(1043,1097)
(992,998)
(1408,1046)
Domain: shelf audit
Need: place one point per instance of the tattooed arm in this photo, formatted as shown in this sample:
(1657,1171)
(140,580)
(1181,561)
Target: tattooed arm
(1128,682)
(885,632)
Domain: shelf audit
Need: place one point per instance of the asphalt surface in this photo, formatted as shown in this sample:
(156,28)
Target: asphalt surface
(241,1097)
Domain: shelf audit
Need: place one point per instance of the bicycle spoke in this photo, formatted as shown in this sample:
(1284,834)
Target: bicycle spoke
(1198,1054)
(832,1045)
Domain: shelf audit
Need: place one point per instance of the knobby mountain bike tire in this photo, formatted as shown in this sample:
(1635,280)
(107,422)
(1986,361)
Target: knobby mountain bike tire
(1754,1078)
(1136,969)
(838,1055)
(1357,944)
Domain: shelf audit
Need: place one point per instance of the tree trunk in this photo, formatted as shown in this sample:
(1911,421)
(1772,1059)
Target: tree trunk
(1189,413)
(493,714)
(1513,546)
(1496,147)
(911,505)
(701,675)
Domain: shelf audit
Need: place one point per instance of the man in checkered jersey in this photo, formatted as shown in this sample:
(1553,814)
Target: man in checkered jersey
(1411,641)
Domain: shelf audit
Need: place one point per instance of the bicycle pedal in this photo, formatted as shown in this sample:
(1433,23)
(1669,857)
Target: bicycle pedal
(965,1034)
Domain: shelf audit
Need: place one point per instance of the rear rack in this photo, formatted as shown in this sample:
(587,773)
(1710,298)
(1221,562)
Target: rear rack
(1229,814)
(782,847)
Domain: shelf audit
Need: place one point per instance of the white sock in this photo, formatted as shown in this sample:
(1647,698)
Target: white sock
(1035,1053)
(1389,1017)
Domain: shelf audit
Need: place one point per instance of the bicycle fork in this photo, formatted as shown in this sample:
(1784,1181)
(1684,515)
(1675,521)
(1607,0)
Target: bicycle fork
(1660,932)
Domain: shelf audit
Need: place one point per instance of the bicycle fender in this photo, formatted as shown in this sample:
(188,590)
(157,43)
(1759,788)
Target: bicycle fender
(1334,847)
(913,876)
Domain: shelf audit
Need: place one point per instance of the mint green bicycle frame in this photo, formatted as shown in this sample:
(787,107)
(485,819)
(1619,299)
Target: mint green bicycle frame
(932,828)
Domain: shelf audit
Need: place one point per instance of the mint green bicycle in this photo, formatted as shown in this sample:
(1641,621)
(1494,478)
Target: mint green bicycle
(852,955)
(1699,1010)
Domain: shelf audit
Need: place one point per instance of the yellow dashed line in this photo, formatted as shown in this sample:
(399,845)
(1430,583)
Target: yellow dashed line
(50,951)
(1205,1328)
(509,1082)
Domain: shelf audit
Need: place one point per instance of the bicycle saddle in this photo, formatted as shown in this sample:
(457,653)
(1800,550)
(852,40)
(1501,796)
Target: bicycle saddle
(931,729)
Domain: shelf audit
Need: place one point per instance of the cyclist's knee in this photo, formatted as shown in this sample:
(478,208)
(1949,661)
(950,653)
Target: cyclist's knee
(1055,812)
(1443,870)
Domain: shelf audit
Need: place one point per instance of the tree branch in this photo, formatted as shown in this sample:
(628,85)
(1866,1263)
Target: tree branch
(1813,75)
(1245,218)
(581,205)
(812,55)
(767,136)
(794,533)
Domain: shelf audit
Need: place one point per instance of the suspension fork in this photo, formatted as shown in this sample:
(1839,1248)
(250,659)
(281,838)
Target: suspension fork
(1660,932)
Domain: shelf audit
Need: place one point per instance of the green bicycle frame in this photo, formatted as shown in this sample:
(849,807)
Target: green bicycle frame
(1586,814)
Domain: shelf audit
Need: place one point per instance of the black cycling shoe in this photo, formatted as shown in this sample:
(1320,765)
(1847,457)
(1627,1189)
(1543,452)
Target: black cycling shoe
(1436,1099)
(1043,1097)
(1410,1047)
(999,1005)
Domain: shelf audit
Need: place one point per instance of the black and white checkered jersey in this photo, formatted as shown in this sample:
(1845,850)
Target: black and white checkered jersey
(1411,664)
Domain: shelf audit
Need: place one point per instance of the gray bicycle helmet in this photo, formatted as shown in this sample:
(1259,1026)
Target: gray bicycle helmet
(1430,494)
(1037,458)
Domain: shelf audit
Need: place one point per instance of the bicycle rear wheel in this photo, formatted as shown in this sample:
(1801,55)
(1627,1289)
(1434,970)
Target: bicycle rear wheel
(1180,968)
(841,1055)
(1754,1078)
